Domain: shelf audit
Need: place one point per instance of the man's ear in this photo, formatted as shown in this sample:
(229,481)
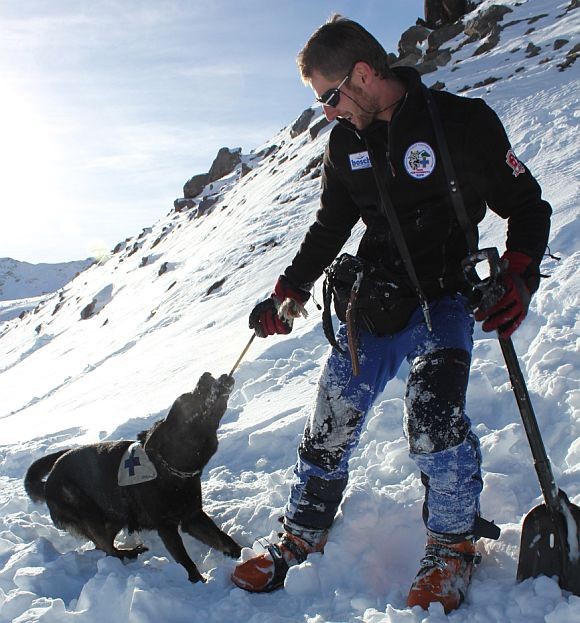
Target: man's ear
(364,71)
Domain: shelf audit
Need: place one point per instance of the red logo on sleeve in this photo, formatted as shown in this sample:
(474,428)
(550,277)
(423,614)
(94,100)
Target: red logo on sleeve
(514,164)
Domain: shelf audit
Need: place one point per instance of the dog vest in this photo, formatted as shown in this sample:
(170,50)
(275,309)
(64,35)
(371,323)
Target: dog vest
(135,467)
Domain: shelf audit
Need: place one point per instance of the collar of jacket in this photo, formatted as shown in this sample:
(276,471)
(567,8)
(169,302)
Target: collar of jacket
(413,99)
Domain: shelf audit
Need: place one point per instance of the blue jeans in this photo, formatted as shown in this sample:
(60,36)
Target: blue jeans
(439,432)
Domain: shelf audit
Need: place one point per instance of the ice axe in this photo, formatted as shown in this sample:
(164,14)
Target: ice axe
(550,542)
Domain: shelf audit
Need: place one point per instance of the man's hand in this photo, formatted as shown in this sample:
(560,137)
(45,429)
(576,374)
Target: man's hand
(518,280)
(276,314)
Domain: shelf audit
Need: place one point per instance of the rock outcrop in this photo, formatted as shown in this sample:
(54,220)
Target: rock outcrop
(224,163)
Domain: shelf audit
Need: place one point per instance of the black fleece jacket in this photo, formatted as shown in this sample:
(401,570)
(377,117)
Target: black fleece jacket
(407,157)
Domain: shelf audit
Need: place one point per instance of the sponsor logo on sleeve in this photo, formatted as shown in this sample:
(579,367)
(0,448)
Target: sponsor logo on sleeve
(419,160)
(359,161)
(514,164)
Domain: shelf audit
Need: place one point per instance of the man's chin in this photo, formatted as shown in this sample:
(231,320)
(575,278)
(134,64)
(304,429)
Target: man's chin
(358,124)
(361,124)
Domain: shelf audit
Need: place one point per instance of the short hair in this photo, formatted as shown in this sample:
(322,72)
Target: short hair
(336,46)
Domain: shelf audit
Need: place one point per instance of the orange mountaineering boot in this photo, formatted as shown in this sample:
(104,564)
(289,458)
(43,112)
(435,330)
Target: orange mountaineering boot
(266,572)
(445,574)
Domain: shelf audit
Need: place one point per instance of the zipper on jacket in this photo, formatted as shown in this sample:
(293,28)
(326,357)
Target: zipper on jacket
(389,163)
(388,154)
(390,133)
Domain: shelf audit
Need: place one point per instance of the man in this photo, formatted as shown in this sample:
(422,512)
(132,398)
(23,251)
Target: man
(383,157)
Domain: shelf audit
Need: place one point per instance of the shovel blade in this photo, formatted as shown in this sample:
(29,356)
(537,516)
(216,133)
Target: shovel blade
(550,545)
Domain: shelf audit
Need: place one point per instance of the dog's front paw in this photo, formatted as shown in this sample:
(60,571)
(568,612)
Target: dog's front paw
(233,550)
(195,576)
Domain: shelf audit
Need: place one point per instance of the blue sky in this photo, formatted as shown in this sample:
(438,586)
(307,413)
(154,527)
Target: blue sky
(108,107)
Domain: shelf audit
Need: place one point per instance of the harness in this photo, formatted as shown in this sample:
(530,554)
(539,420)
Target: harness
(388,210)
(170,468)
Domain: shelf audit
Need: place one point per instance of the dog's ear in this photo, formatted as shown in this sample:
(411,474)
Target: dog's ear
(205,383)
(145,435)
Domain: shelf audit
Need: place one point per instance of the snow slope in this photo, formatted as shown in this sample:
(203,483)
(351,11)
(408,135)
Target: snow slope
(23,285)
(173,302)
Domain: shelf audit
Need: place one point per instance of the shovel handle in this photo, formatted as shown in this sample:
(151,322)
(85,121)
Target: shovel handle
(556,501)
(488,287)
(541,461)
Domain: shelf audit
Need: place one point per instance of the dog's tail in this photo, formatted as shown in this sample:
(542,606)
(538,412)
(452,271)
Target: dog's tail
(33,482)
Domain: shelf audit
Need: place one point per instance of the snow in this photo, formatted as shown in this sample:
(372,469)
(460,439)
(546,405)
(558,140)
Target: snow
(21,279)
(23,286)
(65,381)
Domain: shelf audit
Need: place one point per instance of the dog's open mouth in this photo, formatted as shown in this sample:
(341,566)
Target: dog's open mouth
(206,403)
(210,397)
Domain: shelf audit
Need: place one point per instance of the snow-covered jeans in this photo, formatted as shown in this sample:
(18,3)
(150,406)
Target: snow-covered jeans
(440,438)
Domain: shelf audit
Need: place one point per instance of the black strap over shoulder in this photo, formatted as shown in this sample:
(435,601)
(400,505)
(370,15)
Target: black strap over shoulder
(389,212)
(454,190)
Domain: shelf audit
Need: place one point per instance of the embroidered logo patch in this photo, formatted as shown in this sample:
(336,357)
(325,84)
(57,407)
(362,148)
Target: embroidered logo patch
(135,466)
(514,164)
(419,160)
(360,160)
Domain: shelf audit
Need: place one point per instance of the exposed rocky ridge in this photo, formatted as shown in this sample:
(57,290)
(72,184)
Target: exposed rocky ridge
(422,47)
(224,163)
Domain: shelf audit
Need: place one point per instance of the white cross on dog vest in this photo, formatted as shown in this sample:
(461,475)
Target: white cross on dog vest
(135,467)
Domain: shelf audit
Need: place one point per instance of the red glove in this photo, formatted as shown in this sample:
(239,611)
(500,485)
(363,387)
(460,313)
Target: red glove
(276,313)
(518,280)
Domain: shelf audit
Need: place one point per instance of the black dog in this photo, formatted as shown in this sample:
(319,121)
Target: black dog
(83,494)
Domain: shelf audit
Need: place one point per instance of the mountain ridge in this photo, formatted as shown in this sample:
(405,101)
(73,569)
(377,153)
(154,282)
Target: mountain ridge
(24,279)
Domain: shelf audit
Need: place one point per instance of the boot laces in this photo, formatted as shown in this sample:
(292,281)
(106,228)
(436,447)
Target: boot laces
(299,553)
(436,555)
(276,552)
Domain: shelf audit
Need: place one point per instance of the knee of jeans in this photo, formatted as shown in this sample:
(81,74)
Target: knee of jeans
(435,417)
(328,441)
(332,430)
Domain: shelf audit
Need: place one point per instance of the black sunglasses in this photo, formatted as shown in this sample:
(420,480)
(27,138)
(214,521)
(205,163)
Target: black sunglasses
(332,96)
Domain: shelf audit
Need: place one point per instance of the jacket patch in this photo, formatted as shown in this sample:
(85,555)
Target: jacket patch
(419,160)
(514,164)
(360,160)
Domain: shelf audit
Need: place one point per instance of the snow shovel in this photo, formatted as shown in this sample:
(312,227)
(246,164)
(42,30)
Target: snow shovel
(550,534)
(550,541)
